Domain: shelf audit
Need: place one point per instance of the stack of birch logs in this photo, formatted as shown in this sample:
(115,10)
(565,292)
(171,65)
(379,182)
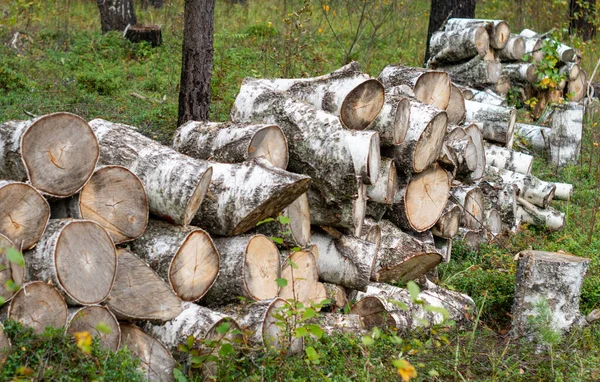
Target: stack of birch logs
(359,181)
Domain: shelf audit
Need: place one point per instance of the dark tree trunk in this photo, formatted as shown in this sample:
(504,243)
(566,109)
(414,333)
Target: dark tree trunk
(155,3)
(196,70)
(442,10)
(115,15)
(581,14)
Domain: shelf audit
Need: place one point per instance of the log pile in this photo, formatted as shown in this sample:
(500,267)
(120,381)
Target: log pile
(336,184)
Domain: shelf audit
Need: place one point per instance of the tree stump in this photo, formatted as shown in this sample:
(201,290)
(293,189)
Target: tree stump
(149,33)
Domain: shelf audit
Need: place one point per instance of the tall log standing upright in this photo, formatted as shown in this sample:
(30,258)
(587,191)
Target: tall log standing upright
(115,15)
(197,63)
(581,14)
(442,10)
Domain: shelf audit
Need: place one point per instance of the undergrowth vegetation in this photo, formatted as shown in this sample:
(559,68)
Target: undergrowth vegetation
(59,61)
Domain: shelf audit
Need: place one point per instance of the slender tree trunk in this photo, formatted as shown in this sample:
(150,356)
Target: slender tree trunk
(442,10)
(196,70)
(582,14)
(115,15)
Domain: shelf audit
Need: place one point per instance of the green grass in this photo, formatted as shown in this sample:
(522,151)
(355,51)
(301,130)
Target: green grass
(64,63)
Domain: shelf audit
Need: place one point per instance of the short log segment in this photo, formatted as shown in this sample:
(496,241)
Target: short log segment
(420,203)
(336,294)
(243,194)
(38,305)
(249,268)
(184,256)
(566,133)
(197,321)
(139,293)
(458,45)
(514,49)
(302,278)
(345,260)
(338,323)
(402,257)
(263,323)
(531,188)
(533,46)
(319,146)
(506,159)
(470,198)
(564,191)
(297,231)
(24,213)
(424,138)
(232,143)
(466,157)
(554,277)
(502,197)
(534,136)
(175,183)
(115,198)
(498,30)
(488,96)
(456,107)
(429,87)
(393,121)
(56,153)
(577,88)
(476,73)
(448,223)
(78,257)
(384,190)
(88,319)
(157,363)
(542,217)
(571,70)
(498,122)
(10,272)
(347,93)
(347,215)
(520,74)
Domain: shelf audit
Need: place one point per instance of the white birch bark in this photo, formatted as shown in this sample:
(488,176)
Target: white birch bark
(566,133)
(501,157)
(534,136)
(531,188)
(429,86)
(498,30)
(547,217)
(458,45)
(497,122)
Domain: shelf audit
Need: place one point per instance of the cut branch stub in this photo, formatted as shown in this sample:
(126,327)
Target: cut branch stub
(10,272)
(249,268)
(243,194)
(38,305)
(156,361)
(139,293)
(232,143)
(498,30)
(78,257)
(175,183)
(88,319)
(429,86)
(57,153)
(184,256)
(24,214)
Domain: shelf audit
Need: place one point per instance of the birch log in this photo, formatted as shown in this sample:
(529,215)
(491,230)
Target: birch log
(564,191)
(501,157)
(346,93)
(336,294)
(56,153)
(476,73)
(502,197)
(115,198)
(184,256)
(243,194)
(232,143)
(498,30)
(429,87)
(319,146)
(157,363)
(554,277)
(542,217)
(473,238)
(502,86)
(295,233)
(12,275)
(514,49)
(420,203)
(449,221)
(266,324)
(384,190)
(393,120)
(456,106)
(466,157)
(571,70)
(402,257)
(488,96)
(78,257)
(566,133)
(249,268)
(302,278)
(24,213)
(531,188)
(520,74)
(89,318)
(338,323)
(139,293)
(533,46)
(470,198)
(577,88)
(458,45)
(345,260)
(38,305)
(498,122)
(534,136)
(175,183)
(474,132)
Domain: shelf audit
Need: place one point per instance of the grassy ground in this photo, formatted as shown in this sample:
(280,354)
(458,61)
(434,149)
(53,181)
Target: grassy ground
(63,63)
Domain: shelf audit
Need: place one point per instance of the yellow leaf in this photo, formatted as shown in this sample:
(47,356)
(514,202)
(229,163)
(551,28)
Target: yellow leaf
(326,7)
(320,30)
(84,341)
(405,369)
(334,13)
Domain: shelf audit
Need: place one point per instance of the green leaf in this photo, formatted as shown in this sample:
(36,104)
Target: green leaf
(284,219)
(296,249)
(179,376)
(182,348)
(190,341)
(102,327)
(15,256)
(267,220)
(281,282)
(11,286)
(437,309)
(226,349)
(300,332)
(413,289)
(292,264)
(399,304)
(376,333)
(315,330)
(223,328)
(312,354)
(368,341)
(277,240)
(309,313)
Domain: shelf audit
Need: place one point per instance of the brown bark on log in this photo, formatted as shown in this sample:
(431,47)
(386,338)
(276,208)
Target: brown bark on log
(139,293)
(184,256)
(232,143)
(157,363)
(10,272)
(38,305)
(88,319)
(24,214)
(429,87)
(56,153)
(78,257)
(175,184)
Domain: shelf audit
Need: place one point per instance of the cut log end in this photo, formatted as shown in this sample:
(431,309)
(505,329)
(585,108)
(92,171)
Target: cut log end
(270,143)
(38,305)
(427,149)
(385,189)
(197,196)
(373,160)
(262,262)
(482,41)
(9,270)
(401,120)
(426,196)
(60,152)
(362,105)
(501,35)
(456,107)
(373,313)
(433,88)
(410,269)
(156,360)
(88,319)
(299,214)
(195,267)
(494,71)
